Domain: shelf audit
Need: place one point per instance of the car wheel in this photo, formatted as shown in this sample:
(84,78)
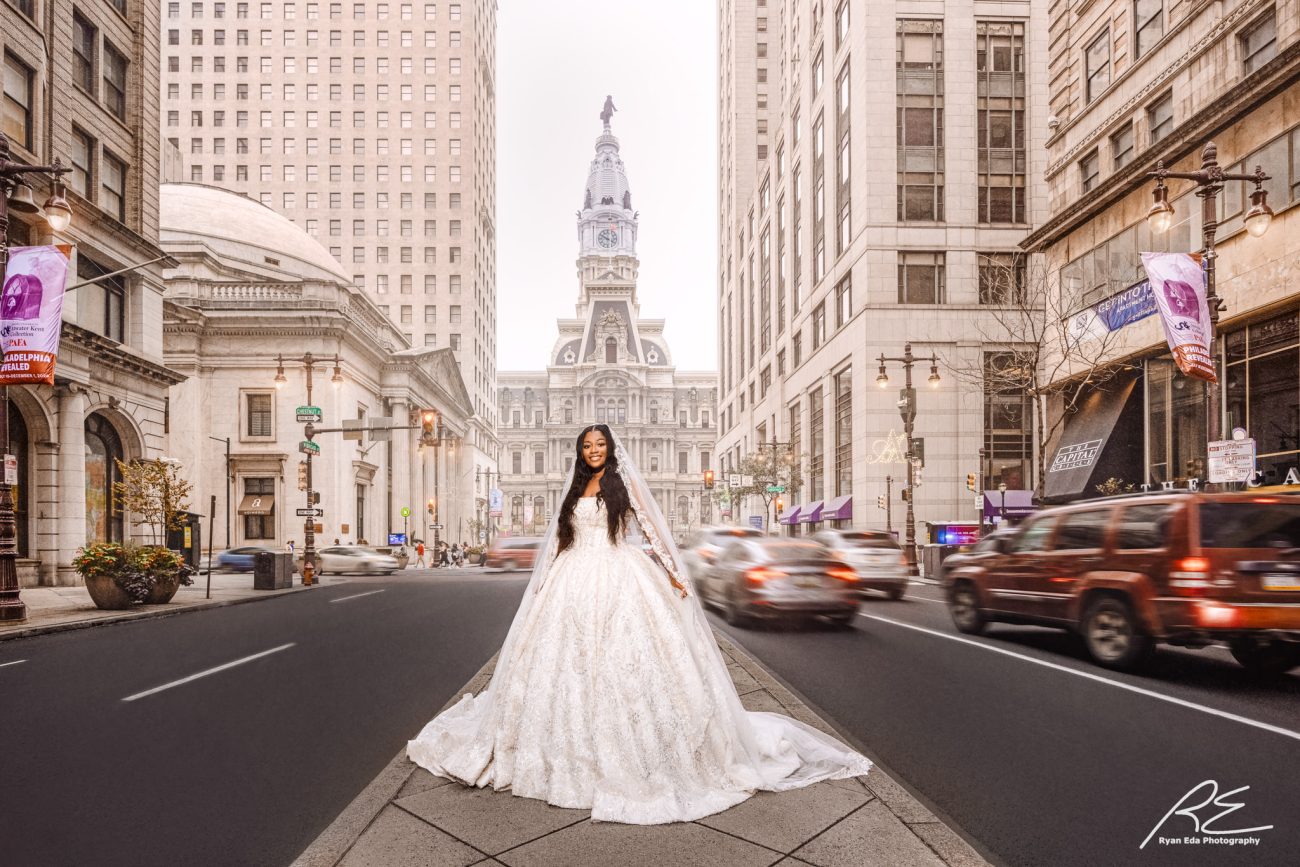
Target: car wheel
(734,616)
(963,605)
(509,566)
(1265,657)
(843,621)
(896,593)
(1113,636)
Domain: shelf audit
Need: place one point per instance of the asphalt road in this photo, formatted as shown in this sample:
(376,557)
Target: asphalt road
(1040,757)
(1035,754)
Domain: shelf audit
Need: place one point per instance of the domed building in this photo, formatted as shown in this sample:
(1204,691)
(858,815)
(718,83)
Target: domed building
(251,300)
(609,365)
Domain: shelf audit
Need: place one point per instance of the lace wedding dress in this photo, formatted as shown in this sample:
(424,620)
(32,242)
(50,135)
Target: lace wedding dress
(610,694)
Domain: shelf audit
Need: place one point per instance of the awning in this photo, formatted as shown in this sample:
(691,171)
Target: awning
(791,516)
(257,504)
(1086,433)
(812,513)
(839,509)
(1019,504)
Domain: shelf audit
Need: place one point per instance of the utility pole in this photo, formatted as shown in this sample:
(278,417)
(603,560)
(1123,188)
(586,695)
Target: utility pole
(907,409)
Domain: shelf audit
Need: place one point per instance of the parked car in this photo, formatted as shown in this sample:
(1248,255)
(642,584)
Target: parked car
(240,559)
(340,559)
(993,543)
(704,545)
(513,552)
(874,554)
(767,577)
(1129,572)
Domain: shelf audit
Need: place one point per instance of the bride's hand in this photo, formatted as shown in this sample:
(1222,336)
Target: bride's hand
(679,586)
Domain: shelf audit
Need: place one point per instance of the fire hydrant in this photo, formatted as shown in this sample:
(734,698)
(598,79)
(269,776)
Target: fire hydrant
(308,573)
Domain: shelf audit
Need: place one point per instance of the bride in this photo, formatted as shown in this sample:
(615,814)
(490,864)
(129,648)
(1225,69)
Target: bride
(610,693)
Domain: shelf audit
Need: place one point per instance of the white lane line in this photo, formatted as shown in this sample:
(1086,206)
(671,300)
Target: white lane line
(15,662)
(156,689)
(1277,730)
(357,596)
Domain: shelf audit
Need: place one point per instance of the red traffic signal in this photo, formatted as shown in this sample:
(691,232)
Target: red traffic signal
(708,478)
(427,418)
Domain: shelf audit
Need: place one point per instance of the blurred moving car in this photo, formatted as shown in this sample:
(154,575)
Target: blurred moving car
(513,552)
(1187,569)
(354,558)
(874,554)
(994,543)
(704,545)
(241,559)
(769,576)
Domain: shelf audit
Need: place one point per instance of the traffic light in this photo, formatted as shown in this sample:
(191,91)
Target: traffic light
(302,475)
(907,495)
(880,502)
(315,498)
(430,507)
(708,479)
(971,482)
(780,505)
(427,418)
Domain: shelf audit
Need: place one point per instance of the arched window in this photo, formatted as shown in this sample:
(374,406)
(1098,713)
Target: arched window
(103,451)
(611,350)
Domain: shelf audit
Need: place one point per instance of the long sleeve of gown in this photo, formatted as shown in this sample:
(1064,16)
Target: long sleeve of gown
(661,553)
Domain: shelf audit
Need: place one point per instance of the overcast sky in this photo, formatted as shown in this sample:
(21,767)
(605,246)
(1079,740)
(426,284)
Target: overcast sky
(556,61)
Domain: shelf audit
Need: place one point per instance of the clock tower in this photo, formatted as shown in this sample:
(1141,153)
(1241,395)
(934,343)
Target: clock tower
(607,224)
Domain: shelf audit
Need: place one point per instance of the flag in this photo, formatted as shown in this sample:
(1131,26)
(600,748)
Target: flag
(31,313)
(1178,287)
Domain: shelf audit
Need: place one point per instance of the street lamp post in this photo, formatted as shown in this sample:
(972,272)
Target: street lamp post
(226,440)
(1209,180)
(308,361)
(774,445)
(907,409)
(58,214)
(1002,512)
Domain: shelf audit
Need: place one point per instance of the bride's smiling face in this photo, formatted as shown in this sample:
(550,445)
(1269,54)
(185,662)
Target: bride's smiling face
(594,449)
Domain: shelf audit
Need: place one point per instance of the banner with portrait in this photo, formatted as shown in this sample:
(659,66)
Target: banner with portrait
(1178,288)
(31,313)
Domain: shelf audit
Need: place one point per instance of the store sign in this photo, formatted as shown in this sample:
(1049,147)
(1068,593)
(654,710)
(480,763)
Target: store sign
(1076,456)
(31,313)
(1232,460)
(1178,286)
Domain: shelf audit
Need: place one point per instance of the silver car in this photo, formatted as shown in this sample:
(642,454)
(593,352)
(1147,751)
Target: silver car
(768,577)
(874,554)
(354,558)
(704,546)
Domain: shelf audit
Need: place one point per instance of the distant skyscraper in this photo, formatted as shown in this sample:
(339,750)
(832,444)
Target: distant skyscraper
(373,127)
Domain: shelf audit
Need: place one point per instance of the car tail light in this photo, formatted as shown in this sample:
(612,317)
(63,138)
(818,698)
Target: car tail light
(760,574)
(706,555)
(843,573)
(1213,614)
(1190,576)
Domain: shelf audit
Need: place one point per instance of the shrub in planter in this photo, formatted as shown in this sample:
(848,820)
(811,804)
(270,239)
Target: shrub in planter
(118,576)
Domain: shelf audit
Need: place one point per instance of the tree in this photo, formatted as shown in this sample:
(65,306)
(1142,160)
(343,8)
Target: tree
(154,491)
(770,466)
(1038,341)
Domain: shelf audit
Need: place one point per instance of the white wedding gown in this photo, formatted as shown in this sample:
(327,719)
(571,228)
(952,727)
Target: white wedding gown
(612,700)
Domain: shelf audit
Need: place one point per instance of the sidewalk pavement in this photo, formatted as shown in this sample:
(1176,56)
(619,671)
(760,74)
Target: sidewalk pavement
(407,816)
(56,609)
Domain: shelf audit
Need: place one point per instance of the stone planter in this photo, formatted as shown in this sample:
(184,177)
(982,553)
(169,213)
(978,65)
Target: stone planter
(163,590)
(106,594)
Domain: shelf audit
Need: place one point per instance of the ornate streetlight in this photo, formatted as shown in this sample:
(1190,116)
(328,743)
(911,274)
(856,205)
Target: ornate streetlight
(907,409)
(308,361)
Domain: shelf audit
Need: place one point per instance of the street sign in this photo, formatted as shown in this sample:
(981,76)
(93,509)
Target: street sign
(435,526)
(310,513)
(308,413)
(482,535)
(307,447)
(1232,460)
(733,480)
(776,489)
(406,511)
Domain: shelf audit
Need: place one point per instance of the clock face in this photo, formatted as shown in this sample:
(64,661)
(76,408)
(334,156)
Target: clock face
(607,238)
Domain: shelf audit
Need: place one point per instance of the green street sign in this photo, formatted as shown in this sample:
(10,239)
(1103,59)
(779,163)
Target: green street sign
(308,413)
(406,511)
(307,447)
(776,489)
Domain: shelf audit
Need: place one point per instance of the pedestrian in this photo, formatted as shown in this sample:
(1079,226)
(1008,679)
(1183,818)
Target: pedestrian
(419,555)
(444,554)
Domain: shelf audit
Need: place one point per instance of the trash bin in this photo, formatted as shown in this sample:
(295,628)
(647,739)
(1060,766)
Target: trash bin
(932,557)
(272,571)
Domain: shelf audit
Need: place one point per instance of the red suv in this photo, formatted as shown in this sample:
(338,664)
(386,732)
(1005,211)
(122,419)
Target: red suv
(1127,572)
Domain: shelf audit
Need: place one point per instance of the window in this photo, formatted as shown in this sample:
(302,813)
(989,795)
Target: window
(1148,25)
(83,153)
(682,459)
(819,325)
(920,135)
(1143,527)
(844,432)
(83,53)
(816,446)
(1160,117)
(516,463)
(115,64)
(1000,121)
(539,462)
(1121,146)
(1096,61)
(17,118)
(843,301)
(261,525)
(1008,416)
(112,189)
(259,422)
(1082,531)
(1001,278)
(100,305)
(1258,43)
(842,23)
(1089,170)
(920,278)
(1035,535)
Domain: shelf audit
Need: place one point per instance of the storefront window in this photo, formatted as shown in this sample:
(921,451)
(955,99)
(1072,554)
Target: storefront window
(1262,385)
(1175,423)
(103,451)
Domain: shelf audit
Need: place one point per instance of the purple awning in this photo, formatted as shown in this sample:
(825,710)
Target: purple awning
(791,516)
(812,513)
(839,509)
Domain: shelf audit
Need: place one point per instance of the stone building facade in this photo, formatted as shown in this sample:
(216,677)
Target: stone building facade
(608,365)
(81,84)
(1138,84)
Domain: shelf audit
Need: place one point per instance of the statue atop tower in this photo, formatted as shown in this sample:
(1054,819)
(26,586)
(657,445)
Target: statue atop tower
(608,111)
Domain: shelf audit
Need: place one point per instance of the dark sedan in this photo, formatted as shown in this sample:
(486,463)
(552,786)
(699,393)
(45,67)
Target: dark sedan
(240,559)
(766,578)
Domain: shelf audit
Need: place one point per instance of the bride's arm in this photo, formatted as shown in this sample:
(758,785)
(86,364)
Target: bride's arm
(658,551)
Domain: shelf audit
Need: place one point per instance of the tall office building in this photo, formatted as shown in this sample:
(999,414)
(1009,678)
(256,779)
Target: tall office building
(843,237)
(373,127)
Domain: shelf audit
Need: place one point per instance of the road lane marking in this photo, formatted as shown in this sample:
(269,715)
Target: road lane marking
(157,689)
(15,662)
(356,596)
(1277,730)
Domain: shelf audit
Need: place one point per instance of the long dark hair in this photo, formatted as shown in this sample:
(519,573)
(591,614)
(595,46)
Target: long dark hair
(613,493)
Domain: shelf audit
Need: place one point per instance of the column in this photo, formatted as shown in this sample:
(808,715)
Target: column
(71,491)
(400,494)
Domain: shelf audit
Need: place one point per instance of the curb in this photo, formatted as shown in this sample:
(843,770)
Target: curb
(160,611)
